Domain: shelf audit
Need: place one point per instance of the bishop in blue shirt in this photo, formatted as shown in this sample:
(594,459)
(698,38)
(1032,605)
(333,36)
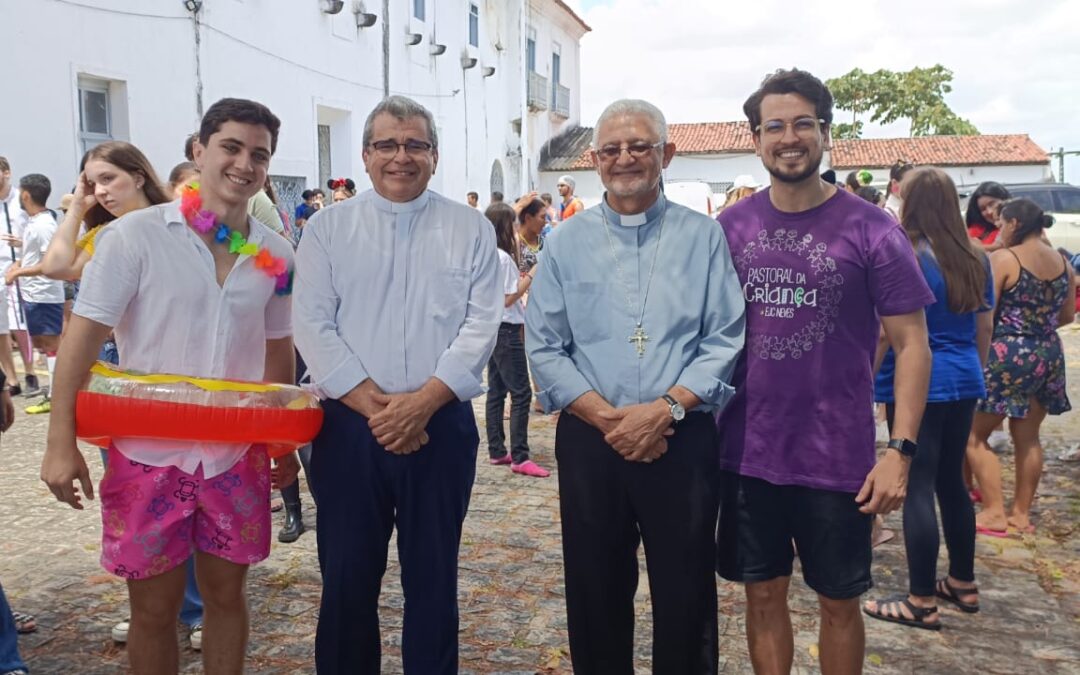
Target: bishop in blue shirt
(397,302)
(634,324)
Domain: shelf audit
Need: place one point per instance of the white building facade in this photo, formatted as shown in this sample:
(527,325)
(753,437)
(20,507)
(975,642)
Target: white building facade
(144,72)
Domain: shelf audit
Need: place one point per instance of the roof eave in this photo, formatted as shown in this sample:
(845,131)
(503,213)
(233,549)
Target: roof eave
(566,8)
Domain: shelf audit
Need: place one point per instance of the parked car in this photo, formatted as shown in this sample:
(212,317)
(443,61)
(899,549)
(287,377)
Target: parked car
(693,194)
(1060,200)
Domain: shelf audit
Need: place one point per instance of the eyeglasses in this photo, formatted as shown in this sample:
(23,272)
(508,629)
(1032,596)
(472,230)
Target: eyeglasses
(636,150)
(389,148)
(804,127)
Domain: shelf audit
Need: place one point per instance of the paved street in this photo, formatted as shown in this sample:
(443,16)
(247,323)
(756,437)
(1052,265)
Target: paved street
(512,609)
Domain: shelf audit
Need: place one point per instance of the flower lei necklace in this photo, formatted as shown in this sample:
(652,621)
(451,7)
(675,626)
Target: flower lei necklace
(204,221)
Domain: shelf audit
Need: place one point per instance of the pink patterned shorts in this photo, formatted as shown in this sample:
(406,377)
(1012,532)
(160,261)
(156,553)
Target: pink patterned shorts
(155,517)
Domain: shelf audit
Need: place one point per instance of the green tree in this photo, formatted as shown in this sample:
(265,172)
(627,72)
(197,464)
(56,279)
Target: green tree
(917,95)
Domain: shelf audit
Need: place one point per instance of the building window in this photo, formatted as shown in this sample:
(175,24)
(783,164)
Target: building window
(474,25)
(95,115)
(556,65)
(418,9)
(530,51)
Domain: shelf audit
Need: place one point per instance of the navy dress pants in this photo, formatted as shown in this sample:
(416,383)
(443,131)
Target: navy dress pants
(364,492)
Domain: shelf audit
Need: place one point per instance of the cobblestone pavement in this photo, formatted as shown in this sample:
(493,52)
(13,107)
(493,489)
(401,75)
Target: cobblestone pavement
(512,610)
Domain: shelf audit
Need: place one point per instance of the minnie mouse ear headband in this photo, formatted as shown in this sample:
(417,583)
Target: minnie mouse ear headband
(341,183)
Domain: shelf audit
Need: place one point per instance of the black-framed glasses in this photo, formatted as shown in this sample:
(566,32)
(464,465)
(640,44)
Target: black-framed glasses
(636,150)
(389,148)
(804,127)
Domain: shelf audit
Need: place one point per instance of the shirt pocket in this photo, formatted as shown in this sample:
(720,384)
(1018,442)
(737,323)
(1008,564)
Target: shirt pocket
(450,296)
(588,311)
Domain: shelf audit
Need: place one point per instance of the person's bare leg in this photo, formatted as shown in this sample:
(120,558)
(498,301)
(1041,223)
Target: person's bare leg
(7,362)
(225,614)
(1029,463)
(768,626)
(842,639)
(987,469)
(152,647)
(22,339)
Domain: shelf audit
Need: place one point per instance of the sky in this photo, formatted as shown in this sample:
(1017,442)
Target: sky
(1016,63)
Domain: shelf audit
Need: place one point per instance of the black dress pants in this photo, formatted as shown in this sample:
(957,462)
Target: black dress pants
(609,505)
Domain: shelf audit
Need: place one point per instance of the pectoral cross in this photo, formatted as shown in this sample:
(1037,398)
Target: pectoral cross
(639,338)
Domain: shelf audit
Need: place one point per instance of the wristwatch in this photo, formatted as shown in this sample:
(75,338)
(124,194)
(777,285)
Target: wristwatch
(677,411)
(904,447)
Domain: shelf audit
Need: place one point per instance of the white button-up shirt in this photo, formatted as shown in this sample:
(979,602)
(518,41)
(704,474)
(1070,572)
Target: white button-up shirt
(397,292)
(153,279)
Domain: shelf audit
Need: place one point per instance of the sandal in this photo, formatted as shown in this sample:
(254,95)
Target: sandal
(950,593)
(918,613)
(24,623)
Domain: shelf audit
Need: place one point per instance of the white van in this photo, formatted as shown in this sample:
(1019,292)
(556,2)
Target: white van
(693,194)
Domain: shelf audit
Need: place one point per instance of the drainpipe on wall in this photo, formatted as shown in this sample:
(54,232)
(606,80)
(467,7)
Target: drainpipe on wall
(198,63)
(386,48)
(525,177)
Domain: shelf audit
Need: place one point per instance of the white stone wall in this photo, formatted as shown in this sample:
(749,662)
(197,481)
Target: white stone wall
(724,169)
(968,177)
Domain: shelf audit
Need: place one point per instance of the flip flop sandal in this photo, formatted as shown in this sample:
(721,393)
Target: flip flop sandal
(950,593)
(24,623)
(1000,534)
(919,613)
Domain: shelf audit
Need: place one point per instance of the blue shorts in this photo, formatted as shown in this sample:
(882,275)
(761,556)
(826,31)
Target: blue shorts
(44,318)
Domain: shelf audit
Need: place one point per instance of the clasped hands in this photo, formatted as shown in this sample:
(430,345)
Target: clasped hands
(637,432)
(398,421)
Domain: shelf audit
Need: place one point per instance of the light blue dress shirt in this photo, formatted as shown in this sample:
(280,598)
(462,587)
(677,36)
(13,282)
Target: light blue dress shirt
(397,292)
(578,321)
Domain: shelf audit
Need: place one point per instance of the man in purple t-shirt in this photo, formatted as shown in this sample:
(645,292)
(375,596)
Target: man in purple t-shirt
(818,268)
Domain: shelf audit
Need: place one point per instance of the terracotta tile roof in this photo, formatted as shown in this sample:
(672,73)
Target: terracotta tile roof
(873,153)
(570,150)
(711,138)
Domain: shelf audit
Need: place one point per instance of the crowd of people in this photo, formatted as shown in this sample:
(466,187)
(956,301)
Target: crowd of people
(671,343)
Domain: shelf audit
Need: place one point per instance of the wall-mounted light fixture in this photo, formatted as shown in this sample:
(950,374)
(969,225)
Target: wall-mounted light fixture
(437,49)
(468,62)
(193,5)
(363,18)
(488,71)
(413,38)
(332,6)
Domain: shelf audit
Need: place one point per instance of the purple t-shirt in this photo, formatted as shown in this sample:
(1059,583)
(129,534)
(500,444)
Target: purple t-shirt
(815,283)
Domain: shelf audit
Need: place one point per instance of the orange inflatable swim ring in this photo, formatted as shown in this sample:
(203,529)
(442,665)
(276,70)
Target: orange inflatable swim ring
(123,404)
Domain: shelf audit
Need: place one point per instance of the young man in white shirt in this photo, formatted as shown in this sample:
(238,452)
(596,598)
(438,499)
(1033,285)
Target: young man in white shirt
(43,298)
(203,311)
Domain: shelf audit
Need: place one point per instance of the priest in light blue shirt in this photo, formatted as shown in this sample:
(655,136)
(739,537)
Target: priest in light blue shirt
(397,304)
(633,327)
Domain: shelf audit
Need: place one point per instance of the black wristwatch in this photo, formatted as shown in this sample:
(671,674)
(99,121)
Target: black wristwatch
(678,413)
(904,447)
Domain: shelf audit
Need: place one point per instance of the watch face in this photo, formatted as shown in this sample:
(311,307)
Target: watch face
(678,412)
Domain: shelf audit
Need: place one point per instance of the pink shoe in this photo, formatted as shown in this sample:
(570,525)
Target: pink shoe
(500,461)
(530,468)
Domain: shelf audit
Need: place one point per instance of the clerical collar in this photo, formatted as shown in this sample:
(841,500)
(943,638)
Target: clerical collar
(634,219)
(384,204)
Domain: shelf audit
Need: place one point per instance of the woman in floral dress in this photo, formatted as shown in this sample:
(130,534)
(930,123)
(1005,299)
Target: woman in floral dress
(1025,373)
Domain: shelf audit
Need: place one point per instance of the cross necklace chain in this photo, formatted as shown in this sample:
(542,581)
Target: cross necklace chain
(639,337)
